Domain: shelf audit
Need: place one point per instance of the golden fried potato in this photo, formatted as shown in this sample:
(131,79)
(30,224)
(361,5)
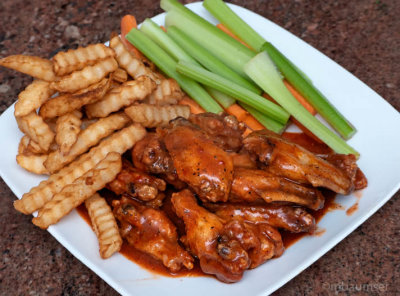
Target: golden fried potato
(167,92)
(81,189)
(89,137)
(104,225)
(67,103)
(152,116)
(120,75)
(134,66)
(28,147)
(121,96)
(35,128)
(68,127)
(34,95)
(84,78)
(33,163)
(39,195)
(77,59)
(31,65)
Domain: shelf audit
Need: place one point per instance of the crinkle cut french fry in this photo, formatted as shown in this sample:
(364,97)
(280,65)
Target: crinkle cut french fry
(152,116)
(34,95)
(77,59)
(81,189)
(133,65)
(89,137)
(167,92)
(33,163)
(104,225)
(68,127)
(66,103)
(120,75)
(39,195)
(28,147)
(84,78)
(35,128)
(121,96)
(31,65)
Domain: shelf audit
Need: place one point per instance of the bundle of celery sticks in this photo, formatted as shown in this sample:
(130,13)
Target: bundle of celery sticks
(216,70)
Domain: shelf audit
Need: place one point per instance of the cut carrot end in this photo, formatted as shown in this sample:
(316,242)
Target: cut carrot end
(244,116)
(299,97)
(163,28)
(194,107)
(227,31)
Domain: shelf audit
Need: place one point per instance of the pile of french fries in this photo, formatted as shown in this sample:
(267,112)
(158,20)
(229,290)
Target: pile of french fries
(83,110)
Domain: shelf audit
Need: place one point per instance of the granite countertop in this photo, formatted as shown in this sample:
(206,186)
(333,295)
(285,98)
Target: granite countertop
(363,36)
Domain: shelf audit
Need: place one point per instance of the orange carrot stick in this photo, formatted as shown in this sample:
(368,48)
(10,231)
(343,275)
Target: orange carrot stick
(244,116)
(227,31)
(128,22)
(194,107)
(163,28)
(300,98)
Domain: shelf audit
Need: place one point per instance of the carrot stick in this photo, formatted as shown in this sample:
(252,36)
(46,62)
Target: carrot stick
(163,28)
(226,30)
(128,22)
(244,116)
(300,98)
(194,107)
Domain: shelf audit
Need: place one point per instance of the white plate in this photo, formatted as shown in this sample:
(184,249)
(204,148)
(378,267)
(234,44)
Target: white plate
(377,140)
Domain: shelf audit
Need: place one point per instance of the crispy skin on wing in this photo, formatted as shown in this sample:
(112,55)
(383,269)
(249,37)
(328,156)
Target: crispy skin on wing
(225,130)
(136,183)
(150,231)
(279,216)
(205,167)
(291,161)
(218,253)
(251,185)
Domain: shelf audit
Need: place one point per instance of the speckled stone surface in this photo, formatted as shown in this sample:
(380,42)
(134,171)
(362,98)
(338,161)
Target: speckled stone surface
(363,36)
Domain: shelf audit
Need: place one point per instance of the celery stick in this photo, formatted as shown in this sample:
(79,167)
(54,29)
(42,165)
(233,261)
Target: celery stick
(314,97)
(152,30)
(223,99)
(204,57)
(168,66)
(269,123)
(234,23)
(225,48)
(261,66)
(228,87)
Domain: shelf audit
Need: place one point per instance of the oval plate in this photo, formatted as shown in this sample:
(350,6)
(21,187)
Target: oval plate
(376,140)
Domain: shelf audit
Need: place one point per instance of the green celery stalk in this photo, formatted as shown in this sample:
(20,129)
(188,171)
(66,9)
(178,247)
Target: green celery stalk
(209,61)
(166,64)
(314,97)
(225,48)
(223,99)
(152,30)
(261,66)
(228,87)
(234,23)
(266,121)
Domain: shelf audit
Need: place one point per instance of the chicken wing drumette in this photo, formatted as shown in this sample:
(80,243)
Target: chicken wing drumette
(205,167)
(149,230)
(291,161)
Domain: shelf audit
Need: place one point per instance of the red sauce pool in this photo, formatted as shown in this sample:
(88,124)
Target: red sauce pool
(288,238)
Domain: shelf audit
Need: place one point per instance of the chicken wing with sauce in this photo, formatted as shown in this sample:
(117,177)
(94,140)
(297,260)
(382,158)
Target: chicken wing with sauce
(136,183)
(291,161)
(205,167)
(280,216)
(252,185)
(224,130)
(219,254)
(150,231)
